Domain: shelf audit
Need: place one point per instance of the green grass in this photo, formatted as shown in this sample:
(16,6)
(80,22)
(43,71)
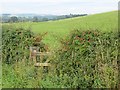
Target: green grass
(60,28)
(104,22)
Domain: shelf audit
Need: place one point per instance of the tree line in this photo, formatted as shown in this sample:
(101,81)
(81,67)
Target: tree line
(7,19)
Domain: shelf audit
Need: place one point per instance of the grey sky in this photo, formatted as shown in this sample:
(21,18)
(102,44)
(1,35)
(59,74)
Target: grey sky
(58,6)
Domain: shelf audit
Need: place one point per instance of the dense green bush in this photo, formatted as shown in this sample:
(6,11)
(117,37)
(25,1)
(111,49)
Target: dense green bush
(16,43)
(15,56)
(88,59)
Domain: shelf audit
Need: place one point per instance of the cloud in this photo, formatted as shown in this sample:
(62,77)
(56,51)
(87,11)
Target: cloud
(58,6)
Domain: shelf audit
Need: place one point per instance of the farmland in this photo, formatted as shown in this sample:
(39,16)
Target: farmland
(61,28)
(85,53)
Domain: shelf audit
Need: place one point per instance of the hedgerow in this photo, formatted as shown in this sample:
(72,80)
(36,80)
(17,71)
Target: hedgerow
(16,43)
(88,59)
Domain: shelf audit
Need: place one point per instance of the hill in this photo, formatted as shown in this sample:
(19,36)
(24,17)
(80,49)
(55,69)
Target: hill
(104,21)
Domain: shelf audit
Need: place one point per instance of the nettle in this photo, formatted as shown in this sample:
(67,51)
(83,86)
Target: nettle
(82,57)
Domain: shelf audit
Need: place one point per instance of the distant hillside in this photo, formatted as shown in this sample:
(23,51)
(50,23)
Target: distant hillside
(35,17)
(104,21)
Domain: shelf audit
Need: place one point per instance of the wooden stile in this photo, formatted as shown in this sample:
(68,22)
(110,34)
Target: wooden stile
(34,52)
(42,64)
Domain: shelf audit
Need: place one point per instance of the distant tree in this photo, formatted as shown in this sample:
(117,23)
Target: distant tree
(35,19)
(13,19)
(60,17)
(45,19)
(67,16)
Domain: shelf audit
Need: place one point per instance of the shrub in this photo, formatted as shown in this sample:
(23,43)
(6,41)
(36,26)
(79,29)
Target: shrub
(16,43)
(88,59)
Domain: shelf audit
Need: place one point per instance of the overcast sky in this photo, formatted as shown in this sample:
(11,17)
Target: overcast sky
(57,6)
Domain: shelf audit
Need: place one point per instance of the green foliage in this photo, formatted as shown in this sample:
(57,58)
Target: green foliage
(19,75)
(85,60)
(16,43)
(88,59)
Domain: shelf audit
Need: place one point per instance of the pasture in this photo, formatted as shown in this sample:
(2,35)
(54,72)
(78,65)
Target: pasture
(61,28)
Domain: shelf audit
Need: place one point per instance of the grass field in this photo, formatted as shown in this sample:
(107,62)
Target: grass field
(61,28)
